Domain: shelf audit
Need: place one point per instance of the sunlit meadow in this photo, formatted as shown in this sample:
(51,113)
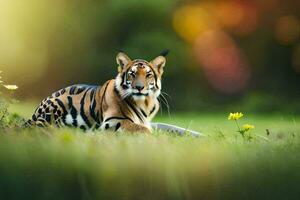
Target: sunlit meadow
(68,163)
(233,74)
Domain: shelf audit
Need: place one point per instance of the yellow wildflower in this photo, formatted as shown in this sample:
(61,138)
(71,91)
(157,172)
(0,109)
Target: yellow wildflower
(11,87)
(247,127)
(235,116)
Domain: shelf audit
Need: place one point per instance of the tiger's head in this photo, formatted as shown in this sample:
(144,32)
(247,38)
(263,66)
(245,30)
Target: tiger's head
(139,78)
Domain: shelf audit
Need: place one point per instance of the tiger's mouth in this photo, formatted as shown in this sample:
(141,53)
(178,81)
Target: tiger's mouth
(139,94)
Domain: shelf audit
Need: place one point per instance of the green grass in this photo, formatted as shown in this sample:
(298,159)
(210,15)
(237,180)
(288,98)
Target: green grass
(67,163)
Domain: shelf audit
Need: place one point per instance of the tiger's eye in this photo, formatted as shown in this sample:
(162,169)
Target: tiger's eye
(131,74)
(149,75)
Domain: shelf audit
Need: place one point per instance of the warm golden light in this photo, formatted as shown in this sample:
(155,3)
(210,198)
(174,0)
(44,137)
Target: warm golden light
(229,14)
(23,39)
(192,20)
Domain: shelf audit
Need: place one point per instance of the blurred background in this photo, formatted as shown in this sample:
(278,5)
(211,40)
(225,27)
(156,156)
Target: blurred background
(225,55)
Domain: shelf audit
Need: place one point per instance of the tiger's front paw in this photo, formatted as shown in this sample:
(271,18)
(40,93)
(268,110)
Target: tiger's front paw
(144,129)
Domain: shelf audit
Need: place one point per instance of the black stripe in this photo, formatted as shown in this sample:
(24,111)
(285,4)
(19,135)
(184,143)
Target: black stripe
(34,118)
(97,116)
(118,94)
(54,109)
(93,105)
(143,112)
(73,111)
(120,118)
(123,78)
(125,87)
(92,94)
(92,111)
(82,127)
(126,116)
(72,90)
(42,120)
(40,110)
(80,89)
(61,104)
(155,77)
(118,126)
(101,109)
(127,71)
(153,109)
(48,117)
(62,91)
(48,101)
(134,110)
(47,110)
(82,113)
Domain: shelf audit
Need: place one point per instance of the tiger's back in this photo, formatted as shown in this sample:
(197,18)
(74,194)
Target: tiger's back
(71,106)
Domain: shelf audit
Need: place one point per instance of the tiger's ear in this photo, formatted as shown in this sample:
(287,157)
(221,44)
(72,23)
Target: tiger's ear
(159,63)
(122,60)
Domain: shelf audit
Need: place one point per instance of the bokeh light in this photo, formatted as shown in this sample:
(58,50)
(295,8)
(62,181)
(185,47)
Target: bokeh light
(249,20)
(223,62)
(230,14)
(204,26)
(191,21)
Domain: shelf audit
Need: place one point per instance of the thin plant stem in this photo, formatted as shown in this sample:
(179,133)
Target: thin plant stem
(237,124)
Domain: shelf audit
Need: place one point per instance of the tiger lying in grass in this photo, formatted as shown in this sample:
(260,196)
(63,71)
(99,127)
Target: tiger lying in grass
(128,102)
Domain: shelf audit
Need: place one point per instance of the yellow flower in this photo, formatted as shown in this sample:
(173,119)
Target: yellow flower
(235,116)
(11,87)
(247,127)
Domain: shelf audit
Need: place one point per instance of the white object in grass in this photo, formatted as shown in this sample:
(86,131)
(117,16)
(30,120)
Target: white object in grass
(175,129)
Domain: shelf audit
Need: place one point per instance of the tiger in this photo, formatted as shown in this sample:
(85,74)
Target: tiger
(126,103)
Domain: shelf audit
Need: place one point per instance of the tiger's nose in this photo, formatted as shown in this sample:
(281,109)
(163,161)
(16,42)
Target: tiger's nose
(139,87)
